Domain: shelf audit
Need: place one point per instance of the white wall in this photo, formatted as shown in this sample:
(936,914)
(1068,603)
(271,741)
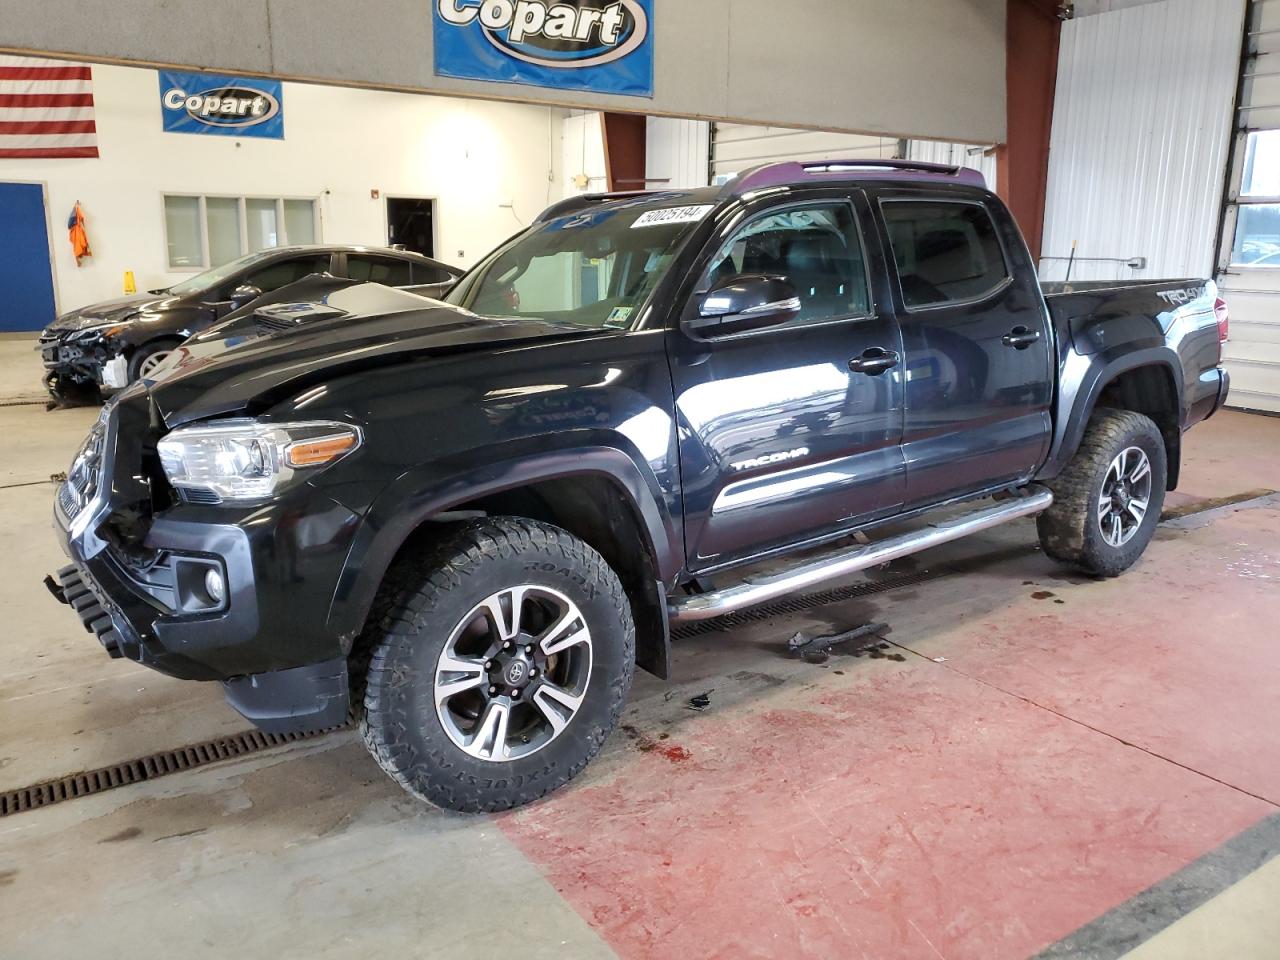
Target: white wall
(678,152)
(582,155)
(973,156)
(1141,128)
(473,157)
(930,68)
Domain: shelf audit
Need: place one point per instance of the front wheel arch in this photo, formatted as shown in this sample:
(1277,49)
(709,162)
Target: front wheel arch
(406,517)
(141,353)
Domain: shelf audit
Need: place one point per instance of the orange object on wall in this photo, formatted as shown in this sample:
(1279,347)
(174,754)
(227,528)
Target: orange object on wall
(79,238)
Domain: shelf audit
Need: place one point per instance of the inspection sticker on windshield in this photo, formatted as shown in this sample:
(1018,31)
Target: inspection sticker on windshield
(619,317)
(660,218)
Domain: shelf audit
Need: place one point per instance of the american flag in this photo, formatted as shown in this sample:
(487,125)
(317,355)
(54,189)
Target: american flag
(46,109)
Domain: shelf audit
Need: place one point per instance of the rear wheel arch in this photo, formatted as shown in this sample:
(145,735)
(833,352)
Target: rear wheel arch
(1150,389)
(1144,381)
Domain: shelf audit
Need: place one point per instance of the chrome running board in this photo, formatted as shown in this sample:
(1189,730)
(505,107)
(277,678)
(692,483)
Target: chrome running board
(845,561)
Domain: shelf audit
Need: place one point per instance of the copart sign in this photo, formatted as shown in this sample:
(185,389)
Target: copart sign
(605,46)
(222,106)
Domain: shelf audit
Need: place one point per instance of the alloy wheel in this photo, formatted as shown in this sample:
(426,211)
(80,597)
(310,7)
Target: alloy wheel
(1125,496)
(513,673)
(153,363)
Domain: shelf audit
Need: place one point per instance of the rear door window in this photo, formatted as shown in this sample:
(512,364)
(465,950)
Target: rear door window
(425,273)
(281,272)
(385,270)
(945,252)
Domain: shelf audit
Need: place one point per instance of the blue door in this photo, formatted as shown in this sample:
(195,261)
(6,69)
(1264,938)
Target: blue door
(26,276)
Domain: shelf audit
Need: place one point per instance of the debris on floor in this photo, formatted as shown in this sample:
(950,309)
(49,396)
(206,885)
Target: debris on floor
(646,744)
(701,702)
(817,649)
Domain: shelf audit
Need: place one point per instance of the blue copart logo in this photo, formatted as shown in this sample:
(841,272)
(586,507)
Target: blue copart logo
(224,106)
(560,35)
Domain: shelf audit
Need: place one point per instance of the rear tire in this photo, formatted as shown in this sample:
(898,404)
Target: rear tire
(1107,501)
(463,706)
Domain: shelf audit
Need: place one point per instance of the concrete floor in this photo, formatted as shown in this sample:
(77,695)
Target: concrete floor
(21,372)
(1041,763)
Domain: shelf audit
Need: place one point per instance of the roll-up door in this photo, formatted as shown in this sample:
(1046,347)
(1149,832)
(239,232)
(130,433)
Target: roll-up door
(1250,259)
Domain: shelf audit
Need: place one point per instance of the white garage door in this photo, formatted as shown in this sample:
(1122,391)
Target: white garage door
(736,147)
(1251,245)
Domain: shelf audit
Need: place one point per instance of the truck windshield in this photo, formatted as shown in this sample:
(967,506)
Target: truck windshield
(592,269)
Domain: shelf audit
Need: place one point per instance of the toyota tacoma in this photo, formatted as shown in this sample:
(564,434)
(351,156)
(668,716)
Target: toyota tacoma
(467,523)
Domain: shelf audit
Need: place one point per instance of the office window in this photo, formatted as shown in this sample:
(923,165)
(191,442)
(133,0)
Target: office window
(262,228)
(182,229)
(222,214)
(300,221)
(203,232)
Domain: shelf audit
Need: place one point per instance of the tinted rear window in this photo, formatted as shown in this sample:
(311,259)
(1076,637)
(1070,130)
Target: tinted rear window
(425,273)
(945,252)
(384,270)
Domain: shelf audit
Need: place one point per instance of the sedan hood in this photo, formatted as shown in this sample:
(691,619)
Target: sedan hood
(231,368)
(107,311)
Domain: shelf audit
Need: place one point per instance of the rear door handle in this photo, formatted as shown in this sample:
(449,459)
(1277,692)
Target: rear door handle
(1020,338)
(874,361)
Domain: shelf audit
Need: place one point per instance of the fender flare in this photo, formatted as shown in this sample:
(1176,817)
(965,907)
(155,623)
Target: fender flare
(427,491)
(1076,401)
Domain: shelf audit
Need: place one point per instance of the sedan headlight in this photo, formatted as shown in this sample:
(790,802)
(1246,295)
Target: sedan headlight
(246,460)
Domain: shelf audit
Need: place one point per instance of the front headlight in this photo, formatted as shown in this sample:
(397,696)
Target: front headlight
(106,329)
(245,460)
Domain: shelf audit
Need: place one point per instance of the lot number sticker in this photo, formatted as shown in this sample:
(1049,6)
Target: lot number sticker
(660,218)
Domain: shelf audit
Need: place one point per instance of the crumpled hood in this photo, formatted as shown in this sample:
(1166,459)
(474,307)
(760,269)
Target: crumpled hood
(107,311)
(226,369)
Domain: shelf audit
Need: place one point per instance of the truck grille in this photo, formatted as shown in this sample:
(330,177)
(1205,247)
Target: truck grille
(85,475)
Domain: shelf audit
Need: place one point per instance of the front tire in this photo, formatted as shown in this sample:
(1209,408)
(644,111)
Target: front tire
(500,667)
(148,358)
(1108,500)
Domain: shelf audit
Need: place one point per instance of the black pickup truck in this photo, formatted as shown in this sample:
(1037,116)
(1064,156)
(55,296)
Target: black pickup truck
(467,523)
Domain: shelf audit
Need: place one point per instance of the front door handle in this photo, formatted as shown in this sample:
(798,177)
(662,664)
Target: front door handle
(1020,337)
(874,361)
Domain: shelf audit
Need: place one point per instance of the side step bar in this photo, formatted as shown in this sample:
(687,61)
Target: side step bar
(845,561)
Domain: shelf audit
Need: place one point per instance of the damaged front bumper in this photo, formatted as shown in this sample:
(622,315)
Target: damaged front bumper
(78,365)
(266,637)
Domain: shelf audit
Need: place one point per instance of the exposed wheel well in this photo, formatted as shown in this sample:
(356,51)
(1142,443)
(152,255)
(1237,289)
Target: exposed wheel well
(1150,390)
(597,511)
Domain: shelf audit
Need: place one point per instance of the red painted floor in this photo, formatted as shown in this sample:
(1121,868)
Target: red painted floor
(981,807)
(1181,656)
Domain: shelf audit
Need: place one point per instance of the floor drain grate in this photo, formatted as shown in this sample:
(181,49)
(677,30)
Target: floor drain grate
(146,768)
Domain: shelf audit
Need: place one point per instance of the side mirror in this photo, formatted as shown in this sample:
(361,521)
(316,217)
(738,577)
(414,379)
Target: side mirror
(244,294)
(746,303)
